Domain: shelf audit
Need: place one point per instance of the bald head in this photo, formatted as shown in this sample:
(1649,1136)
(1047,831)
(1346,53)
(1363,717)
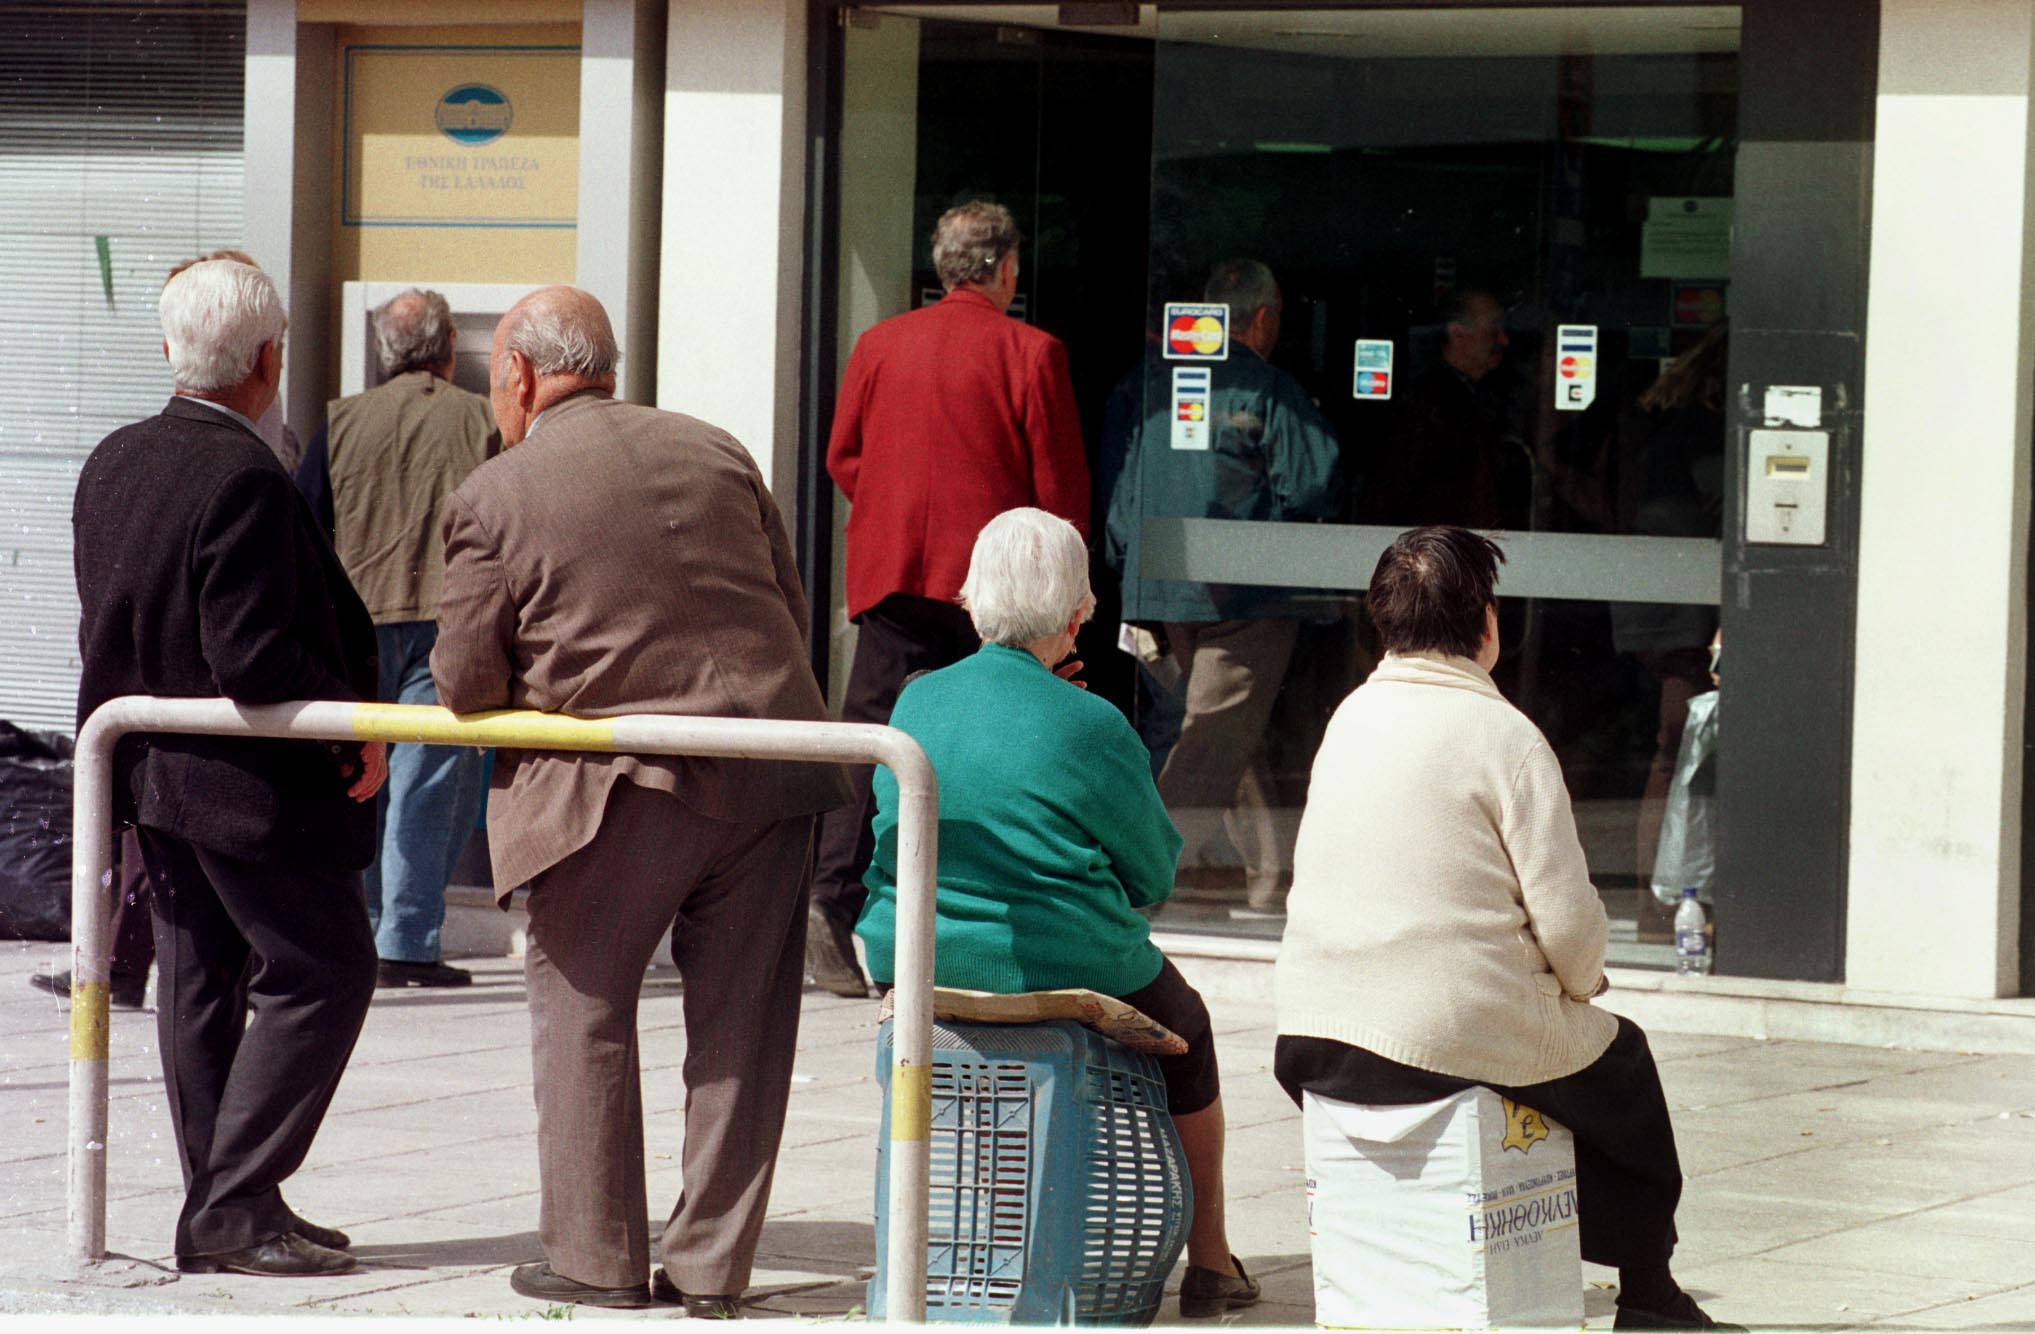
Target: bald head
(554,342)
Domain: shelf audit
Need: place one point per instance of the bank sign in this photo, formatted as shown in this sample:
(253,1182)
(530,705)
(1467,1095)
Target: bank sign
(461,136)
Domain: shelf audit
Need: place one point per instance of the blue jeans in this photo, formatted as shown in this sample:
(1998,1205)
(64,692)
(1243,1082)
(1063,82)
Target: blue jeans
(424,814)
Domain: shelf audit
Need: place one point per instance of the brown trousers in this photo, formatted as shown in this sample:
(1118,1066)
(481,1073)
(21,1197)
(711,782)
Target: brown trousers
(738,892)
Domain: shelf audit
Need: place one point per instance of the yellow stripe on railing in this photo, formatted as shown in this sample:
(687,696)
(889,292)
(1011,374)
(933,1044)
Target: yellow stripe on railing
(498,727)
(89,1021)
(911,1103)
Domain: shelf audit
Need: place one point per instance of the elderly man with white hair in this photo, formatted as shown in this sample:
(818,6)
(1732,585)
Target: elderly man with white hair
(201,574)
(618,559)
(1052,836)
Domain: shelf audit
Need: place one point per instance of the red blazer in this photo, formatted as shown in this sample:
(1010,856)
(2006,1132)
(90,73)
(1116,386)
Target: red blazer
(948,416)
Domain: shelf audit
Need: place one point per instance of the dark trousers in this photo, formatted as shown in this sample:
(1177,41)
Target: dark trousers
(897,637)
(266,975)
(1628,1175)
(133,922)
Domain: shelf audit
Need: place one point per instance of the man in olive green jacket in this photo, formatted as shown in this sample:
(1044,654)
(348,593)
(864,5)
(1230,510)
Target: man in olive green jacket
(387,459)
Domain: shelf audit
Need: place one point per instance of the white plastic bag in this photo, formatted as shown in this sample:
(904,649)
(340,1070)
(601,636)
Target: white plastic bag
(1687,853)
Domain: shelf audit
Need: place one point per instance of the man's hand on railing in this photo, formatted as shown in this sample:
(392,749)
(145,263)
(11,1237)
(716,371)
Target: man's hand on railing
(374,771)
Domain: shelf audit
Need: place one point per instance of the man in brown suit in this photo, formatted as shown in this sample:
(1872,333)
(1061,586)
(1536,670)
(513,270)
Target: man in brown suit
(622,560)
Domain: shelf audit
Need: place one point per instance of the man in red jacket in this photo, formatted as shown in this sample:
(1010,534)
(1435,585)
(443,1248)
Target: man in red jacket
(948,416)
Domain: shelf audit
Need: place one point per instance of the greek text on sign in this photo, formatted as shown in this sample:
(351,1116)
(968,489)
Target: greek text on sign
(1575,367)
(1197,331)
(1374,369)
(1191,426)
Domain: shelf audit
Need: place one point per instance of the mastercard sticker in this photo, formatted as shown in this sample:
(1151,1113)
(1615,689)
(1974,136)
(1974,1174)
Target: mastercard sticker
(1191,390)
(1197,331)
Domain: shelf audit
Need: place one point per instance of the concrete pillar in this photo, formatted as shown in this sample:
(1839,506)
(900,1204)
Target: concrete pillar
(1940,681)
(621,85)
(879,172)
(731,284)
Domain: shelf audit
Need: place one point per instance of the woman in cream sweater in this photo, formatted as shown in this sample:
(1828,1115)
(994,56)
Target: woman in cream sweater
(1442,930)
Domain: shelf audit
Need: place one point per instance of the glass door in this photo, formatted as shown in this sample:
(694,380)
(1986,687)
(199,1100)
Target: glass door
(1500,244)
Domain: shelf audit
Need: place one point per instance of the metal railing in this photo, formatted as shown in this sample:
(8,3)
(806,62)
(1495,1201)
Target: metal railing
(744,738)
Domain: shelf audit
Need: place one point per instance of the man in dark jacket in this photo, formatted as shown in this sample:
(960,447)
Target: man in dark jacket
(201,574)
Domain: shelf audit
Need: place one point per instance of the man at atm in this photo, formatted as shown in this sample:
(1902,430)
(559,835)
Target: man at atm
(1235,438)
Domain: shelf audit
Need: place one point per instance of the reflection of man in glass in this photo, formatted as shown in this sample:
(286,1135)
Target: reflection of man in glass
(1268,455)
(1447,461)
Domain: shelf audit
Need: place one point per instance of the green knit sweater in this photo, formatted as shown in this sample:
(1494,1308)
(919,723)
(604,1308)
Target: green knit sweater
(1051,833)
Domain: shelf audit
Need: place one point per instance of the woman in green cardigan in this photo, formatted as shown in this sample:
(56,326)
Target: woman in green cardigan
(1052,836)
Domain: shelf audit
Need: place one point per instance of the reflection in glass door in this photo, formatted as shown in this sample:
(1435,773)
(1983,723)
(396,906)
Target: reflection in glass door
(1501,247)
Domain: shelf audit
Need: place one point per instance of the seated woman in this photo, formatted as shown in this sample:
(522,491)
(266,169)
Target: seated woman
(1052,835)
(1443,933)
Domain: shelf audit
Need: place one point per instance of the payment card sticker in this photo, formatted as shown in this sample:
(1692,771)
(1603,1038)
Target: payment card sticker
(1575,367)
(1374,368)
(1191,426)
(1197,331)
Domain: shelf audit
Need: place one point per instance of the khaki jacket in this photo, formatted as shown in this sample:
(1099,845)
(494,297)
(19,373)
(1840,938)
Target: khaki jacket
(395,453)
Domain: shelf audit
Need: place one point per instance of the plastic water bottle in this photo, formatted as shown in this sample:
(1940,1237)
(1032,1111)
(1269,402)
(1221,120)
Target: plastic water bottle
(1692,938)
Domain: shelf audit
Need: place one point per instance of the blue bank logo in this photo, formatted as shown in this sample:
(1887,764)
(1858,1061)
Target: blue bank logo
(474,113)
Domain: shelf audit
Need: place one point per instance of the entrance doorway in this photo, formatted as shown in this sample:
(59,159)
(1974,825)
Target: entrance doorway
(1502,239)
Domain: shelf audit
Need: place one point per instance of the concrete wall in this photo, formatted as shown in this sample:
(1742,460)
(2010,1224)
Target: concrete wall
(731,283)
(1942,635)
(621,89)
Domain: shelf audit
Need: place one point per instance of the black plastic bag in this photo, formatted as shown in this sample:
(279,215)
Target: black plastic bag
(35,834)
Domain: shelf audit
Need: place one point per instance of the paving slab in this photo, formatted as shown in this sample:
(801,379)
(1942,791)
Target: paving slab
(1829,1186)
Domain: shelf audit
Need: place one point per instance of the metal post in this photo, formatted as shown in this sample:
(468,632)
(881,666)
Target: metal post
(748,738)
(91,963)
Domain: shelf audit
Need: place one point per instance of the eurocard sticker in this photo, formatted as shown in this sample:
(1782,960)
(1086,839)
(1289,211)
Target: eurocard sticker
(1197,331)
(1191,426)
(1575,367)
(1374,369)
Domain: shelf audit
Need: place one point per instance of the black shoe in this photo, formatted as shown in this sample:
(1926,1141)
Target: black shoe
(331,1238)
(403,973)
(1681,1313)
(546,1284)
(830,953)
(123,994)
(285,1255)
(1205,1293)
(697,1306)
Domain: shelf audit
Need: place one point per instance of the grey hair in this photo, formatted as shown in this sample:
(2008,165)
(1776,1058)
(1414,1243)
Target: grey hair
(1027,577)
(216,317)
(970,240)
(413,332)
(557,339)
(1246,284)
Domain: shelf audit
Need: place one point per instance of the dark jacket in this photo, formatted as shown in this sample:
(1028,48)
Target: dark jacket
(201,573)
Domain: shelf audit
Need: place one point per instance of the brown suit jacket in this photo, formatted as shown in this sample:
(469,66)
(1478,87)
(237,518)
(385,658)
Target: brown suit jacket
(624,560)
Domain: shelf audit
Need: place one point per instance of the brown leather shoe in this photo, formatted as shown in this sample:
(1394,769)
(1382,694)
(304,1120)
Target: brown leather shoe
(1205,1293)
(285,1255)
(698,1306)
(546,1284)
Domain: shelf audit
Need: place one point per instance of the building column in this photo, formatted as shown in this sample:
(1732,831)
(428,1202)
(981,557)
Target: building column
(1941,672)
(621,83)
(731,283)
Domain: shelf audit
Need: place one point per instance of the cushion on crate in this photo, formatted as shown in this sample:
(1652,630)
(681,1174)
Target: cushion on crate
(1105,1014)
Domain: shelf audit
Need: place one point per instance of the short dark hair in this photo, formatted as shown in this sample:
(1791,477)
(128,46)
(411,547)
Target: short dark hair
(1430,589)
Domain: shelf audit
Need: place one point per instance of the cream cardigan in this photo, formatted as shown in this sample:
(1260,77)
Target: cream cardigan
(1441,914)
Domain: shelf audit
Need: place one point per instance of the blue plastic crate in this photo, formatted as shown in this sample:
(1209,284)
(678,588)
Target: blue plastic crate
(1059,1191)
